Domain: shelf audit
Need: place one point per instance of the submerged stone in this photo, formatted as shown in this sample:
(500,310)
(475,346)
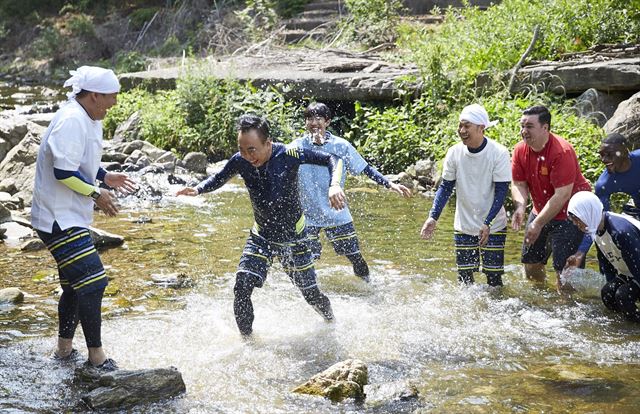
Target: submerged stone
(340,381)
(174,280)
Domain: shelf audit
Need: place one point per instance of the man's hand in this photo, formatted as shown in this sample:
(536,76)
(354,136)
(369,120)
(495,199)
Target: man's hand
(400,189)
(518,218)
(106,203)
(532,233)
(120,182)
(188,191)
(574,260)
(483,235)
(337,199)
(428,228)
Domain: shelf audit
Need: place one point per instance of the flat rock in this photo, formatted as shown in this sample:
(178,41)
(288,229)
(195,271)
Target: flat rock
(174,280)
(123,389)
(32,245)
(103,239)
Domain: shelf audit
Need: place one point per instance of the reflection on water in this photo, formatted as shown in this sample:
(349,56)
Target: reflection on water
(468,349)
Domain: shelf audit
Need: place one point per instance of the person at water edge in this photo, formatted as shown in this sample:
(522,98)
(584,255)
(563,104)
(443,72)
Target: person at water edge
(621,175)
(479,170)
(545,167)
(270,173)
(617,239)
(314,182)
(64,196)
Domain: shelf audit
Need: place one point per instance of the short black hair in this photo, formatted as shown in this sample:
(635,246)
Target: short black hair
(544,116)
(317,109)
(248,122)
(615,138)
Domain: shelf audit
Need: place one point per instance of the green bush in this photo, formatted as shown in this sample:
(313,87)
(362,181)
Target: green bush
(396,137)
(372,22)
(80,25)
(200,115)
(49,44)
(130,62)
(139,17)
(258,18)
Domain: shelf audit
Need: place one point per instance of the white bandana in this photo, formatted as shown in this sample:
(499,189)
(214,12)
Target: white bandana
(92,79)
(477,115)
(588,208)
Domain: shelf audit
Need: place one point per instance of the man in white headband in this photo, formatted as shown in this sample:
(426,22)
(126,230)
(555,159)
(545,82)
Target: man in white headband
(479,169)
(617,239)
(546,167)
(64,195)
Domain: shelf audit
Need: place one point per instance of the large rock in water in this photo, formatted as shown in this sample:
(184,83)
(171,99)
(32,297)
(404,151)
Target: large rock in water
(626,120)
(343,380)
(20,162)
(125,389)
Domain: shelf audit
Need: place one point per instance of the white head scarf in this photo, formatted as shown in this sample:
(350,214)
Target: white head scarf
(588,208)
(476,114)
(92,79)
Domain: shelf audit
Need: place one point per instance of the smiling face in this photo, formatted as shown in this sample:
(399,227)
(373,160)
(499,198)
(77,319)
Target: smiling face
(316,126)
(254,148)
(534,133)
(615,157)
(471,134)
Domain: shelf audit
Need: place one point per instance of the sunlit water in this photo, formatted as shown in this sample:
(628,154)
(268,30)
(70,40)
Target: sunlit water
(467,349)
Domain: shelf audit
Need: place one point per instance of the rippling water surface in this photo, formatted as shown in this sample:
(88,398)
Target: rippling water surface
(467,349)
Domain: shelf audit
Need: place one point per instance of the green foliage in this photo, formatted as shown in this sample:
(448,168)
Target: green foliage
(470,40)
(140,16)
(372,22)
(200,115)
(397,137)
(170,47)
(258,18)
(130,62)
(80,25)
(49,44)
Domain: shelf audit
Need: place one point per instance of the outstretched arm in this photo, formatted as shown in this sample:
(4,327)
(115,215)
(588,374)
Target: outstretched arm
(215,181)
(375,175)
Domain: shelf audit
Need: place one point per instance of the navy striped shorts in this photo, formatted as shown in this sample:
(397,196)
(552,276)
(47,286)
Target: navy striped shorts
(295,257)
(79,266)
(469,254)
(343,238)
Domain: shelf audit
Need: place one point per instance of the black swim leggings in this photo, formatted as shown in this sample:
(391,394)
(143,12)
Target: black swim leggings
(85,308)
(360,267)
(621,296)
(243,307)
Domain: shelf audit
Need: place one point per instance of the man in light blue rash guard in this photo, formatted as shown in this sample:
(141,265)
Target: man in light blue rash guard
(314,181)
(270,173)
(617,238)
(621,175)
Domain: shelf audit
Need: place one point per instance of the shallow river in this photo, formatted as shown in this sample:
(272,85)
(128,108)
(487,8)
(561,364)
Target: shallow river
(467,349)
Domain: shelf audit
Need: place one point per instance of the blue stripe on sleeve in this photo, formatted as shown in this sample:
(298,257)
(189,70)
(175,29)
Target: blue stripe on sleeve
(500,194)
(442,196)
(375,175)
(62,174)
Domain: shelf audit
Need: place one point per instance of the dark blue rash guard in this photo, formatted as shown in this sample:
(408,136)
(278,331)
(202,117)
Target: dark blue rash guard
(273,188)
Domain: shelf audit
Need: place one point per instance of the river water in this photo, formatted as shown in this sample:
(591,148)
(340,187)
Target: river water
(521,348)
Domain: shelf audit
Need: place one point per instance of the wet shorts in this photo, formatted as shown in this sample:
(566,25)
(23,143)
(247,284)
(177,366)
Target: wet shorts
(469,253)
(342,237)
(560,237)
(295,258)
(79,265)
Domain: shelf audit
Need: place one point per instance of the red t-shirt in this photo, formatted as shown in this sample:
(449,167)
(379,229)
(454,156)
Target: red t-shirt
(555,166)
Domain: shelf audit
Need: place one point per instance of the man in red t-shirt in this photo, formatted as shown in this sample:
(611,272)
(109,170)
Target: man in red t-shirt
(546,167)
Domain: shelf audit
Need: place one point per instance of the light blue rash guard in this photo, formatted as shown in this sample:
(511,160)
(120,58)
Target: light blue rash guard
(314,180)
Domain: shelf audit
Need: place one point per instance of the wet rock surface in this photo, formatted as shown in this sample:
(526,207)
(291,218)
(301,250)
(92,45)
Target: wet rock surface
(340,381)
(11,295)
(124,389)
